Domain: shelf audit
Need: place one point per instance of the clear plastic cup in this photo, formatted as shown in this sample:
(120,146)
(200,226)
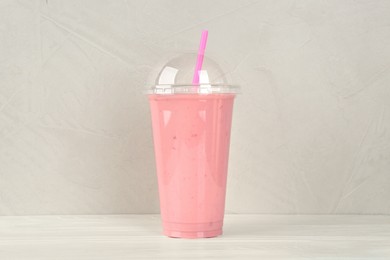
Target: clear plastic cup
(191,130)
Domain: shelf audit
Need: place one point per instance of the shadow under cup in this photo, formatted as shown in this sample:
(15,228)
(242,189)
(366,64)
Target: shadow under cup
(191,139)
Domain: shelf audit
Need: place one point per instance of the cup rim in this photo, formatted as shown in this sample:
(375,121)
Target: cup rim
(203,88)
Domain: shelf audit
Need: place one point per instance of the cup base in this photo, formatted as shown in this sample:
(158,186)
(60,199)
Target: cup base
(192,230)
(192,234)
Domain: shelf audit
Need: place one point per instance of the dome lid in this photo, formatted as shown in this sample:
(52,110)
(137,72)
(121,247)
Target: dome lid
(176,75)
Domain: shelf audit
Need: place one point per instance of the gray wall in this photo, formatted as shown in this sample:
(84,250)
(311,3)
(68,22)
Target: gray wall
(310,131)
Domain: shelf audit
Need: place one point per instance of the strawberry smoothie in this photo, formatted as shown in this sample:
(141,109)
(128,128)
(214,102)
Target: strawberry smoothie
(191,139)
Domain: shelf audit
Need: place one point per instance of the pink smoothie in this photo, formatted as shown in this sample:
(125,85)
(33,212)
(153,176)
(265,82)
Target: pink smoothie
(191,139)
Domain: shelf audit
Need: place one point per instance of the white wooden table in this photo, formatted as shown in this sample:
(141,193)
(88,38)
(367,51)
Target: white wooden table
(245,237)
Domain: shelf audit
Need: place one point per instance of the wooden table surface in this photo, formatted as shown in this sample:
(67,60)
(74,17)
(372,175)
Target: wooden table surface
(245,237)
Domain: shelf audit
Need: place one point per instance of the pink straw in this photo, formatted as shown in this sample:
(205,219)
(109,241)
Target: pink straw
(199,61)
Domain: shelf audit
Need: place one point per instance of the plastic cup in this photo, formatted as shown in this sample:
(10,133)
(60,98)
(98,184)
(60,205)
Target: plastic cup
(191,131)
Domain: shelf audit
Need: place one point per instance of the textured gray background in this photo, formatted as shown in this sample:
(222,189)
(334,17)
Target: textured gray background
(310,134)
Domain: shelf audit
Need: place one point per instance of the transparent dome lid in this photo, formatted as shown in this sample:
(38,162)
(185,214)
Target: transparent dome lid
(176,77)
